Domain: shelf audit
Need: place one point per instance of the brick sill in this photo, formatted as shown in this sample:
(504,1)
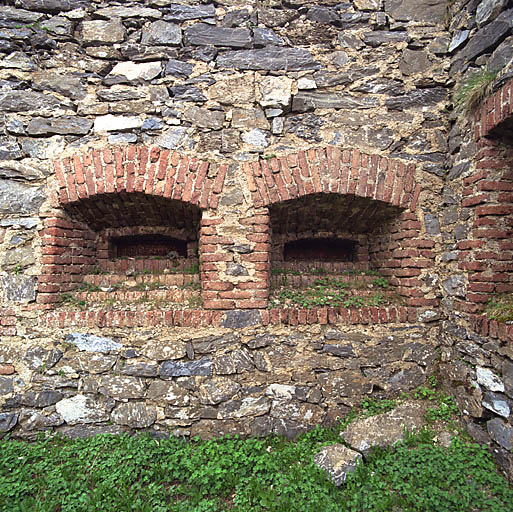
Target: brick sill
(214,318)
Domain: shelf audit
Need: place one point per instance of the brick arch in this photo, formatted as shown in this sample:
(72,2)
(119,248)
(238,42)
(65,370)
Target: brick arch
(118,188)
(396,248)
(139,169)
(332,170)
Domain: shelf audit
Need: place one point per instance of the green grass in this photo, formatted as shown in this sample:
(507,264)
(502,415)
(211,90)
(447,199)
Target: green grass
(109,473)
(500,308)
(328,291)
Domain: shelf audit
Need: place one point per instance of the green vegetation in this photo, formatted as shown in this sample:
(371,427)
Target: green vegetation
(500,308)
(329,291)
(109,473)
(371,406)
(444,407)
(474,90)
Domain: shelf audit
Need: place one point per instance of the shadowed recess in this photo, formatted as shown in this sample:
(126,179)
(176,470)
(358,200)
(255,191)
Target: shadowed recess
(331,212)
(320,249)
(134,209)
(146,245)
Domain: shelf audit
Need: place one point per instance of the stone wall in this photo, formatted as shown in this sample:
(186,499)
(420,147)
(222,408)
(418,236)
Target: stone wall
(205,381)
(237,127)
(476,223)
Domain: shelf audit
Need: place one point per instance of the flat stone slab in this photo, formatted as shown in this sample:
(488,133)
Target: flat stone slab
(337,460)
(92,343)
(385,429)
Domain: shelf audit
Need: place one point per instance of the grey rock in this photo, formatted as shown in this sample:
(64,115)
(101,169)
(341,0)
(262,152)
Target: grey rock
(179,12)
(381,86)
(19,288)
(150,124)
(248,119)
(6,386)
(487,378)
(92,343)
(37,358)
(178,68)
(486,38)
(128,12)
(25,101)
(305,101)
(130,71)
(205,118)
(162,33)
(459,38)
(168,392)
(140,370)
(246,407)
(27,222)
(347,40)
(277,126)
(272,58)
(238,319)
(173,138)
(432,224)
(91,362)
(261,341)
(414,62)
(345,383)
(234,269)
(323,14)
(65,125)
(187,93)
(455,286)
(354,19)
(87,431)
(237,361)
(496,403)
(81,409)
(121,93)
(217,389)
(8,421)
(266,37)
(33,399)
(201,34)
(501,432)
(58,26)
(119,387)
(417,98)
(53,6)
(488,10)
(337,460)
(380,37)
(507,377)
(34,420)
(10,149)
(384,429)
(122,138)
(134,414)
(501,56)
(215,343)
(184,369)
(235,18)
(9,13)
(431,11)
(256,137)
(339,350)
(18,60)
(306,126)
(99,31)
(429,316)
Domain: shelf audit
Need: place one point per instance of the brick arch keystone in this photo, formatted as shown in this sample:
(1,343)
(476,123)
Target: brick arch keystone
(332,170)
(143,169)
